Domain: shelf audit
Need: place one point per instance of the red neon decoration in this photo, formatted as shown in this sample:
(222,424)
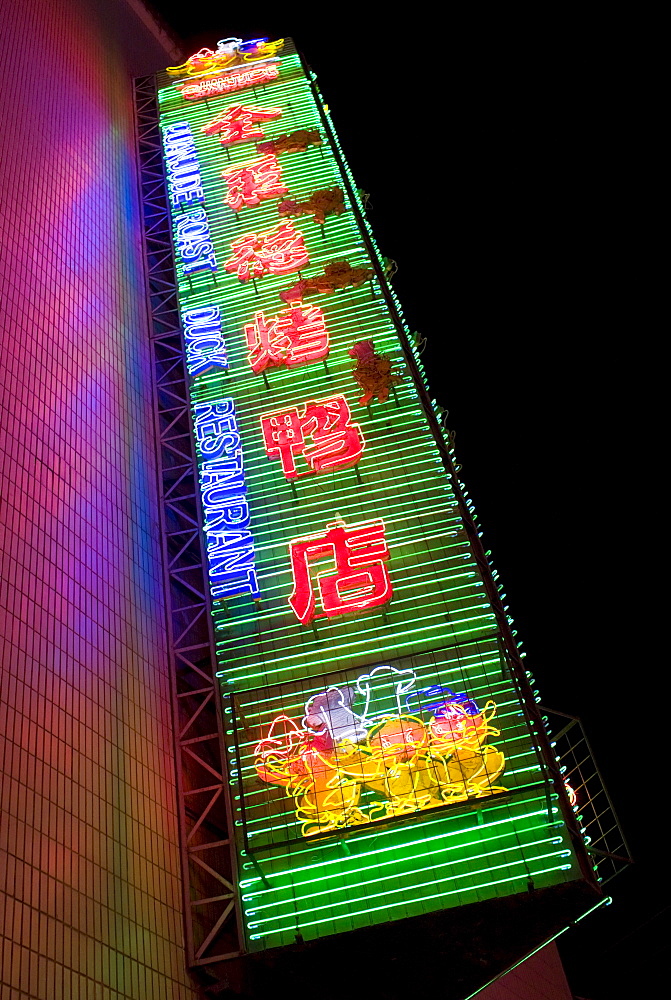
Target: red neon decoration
(360,581)
(295,336)
(237,123)
(276,251)
(338,443)
(252,183)
(232,81)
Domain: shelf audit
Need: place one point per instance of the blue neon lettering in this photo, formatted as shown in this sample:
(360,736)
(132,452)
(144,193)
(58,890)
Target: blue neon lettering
(204,341)
(230,545)
(219,445)
(184,168)
(203,263)
(234,514)
(214,498)
(192,225)
(184,180)
(219,409)
(192,238)
(191,250)
(216,426)
(247,583)
(223,473)
(222,470)
(231,564)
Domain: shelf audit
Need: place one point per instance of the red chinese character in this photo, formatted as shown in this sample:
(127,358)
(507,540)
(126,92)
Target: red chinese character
(337,443)
(237,124)
(283,438)
(277,251)
(293,337)
(360,581)
(252,183)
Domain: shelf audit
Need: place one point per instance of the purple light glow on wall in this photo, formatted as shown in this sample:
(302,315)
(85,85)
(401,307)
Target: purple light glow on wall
(91,850)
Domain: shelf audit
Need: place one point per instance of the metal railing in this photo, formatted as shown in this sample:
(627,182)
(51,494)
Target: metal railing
(598,823)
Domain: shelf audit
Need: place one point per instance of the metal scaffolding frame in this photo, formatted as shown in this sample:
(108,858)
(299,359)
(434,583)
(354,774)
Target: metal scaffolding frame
(211,912)
(600,828)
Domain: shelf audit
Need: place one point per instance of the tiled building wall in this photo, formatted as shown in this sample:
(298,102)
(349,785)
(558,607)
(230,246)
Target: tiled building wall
(541,977)
(90,899)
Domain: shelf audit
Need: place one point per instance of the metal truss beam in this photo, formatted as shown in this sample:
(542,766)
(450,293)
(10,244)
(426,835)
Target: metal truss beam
(212,925)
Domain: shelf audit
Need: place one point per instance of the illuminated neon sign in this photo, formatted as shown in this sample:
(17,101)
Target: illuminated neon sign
(226,84)
(193,242)
(276,251)
(230,545)
(293,337)
(203,339)
(236,124)
(335,523)
(254,182)
(361,580)
(184,181)
(410,761)
(337,443)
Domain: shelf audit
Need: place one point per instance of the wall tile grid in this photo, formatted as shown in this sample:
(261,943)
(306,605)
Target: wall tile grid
(541,977)
(89,863)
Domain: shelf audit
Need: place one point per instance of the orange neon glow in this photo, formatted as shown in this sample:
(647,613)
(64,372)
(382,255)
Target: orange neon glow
(295,142)
(254,182)
(230,52)
(338,443)
(399,739)
(293,337)
(318,205)
(360,581)
(374,372)
(276,251)
(337,274)
(237,124)
(326,763)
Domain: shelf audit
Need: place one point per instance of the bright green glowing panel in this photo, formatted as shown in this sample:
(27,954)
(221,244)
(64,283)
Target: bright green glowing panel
(380,710)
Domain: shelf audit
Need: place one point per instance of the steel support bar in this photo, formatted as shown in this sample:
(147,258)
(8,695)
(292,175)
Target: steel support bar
(211,912)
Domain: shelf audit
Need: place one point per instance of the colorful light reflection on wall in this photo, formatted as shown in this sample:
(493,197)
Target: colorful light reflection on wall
(366,691)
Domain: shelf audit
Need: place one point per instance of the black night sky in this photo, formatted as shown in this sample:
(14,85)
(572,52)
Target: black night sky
(496,159)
